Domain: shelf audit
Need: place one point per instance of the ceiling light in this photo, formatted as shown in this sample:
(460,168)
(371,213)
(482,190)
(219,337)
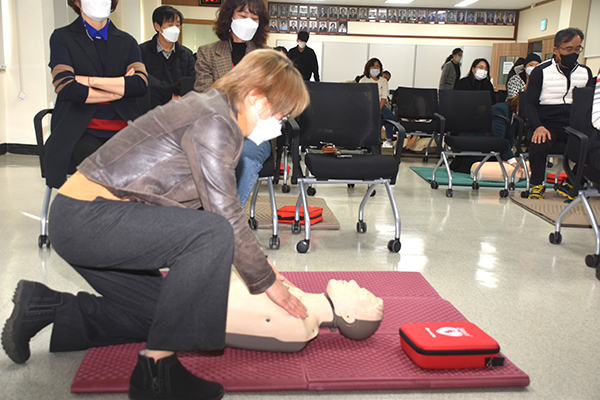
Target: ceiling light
(465,3)
(399,1)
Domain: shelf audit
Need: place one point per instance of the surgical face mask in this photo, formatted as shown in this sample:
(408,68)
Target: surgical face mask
(244,28)
(171,34)
(481,74)
(266,129)
(569,60)
(374,72)
(302,44)
(528,70)
(458,59)
(98,10)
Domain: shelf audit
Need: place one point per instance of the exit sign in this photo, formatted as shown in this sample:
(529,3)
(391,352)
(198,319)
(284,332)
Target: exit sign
(543,25)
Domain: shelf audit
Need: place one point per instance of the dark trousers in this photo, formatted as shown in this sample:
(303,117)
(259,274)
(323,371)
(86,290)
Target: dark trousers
(538,154)
(118,247)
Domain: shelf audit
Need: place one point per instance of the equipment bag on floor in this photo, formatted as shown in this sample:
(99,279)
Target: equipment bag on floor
(449,345)
(551,177)
(286,214)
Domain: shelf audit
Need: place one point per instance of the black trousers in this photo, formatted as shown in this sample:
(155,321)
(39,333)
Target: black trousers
(118,247)
(538,154)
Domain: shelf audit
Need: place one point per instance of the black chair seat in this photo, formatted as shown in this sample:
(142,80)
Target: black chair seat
(360,166)
(484,144)
(268,168)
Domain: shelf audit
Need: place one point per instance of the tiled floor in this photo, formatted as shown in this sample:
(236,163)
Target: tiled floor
(484,254)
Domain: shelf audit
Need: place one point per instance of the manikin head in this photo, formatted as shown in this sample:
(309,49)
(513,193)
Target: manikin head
(357,312)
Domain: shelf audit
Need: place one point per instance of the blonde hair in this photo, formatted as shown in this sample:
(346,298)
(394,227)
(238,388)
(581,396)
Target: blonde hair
(268,73)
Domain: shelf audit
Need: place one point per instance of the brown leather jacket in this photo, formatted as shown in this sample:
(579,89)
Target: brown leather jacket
(184,154)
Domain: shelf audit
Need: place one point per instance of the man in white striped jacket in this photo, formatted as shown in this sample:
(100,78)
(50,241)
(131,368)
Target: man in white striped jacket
(549,98)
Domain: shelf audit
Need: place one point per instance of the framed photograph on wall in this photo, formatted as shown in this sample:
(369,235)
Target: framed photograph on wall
(382,14)
(491,17)
(441,16)
(412,15)
(343,12)
(322,27)
(481,17)
(273,25)
(333,12)
(332,27)
(343,28)
(283,10)
(372,13)
(392,17)
(273,9)
(283,25)
(510,17)
(313,26)
(353,13)
(362,13)
(323,12)
(293,10)
(293,25)
(303,11)
(402,14)
(451,16)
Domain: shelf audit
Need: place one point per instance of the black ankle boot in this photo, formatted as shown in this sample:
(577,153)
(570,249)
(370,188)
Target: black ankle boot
(34,310)
(167,379)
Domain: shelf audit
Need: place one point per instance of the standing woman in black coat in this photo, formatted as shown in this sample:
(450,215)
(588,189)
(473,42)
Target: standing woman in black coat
(97,73)
(478,78)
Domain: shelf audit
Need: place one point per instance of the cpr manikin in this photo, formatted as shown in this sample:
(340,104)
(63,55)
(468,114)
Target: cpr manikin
(254,322)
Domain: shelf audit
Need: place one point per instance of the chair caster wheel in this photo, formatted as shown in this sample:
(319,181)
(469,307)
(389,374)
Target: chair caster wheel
(361,227)
(550,164)
(449,192)
(43,240)
(311,191)
(556,238)
(350,185)
(285,188)
(253,223)
(592,260)
(425,159)
(296,227)
(302,246)
(475,185)
(394,245)
(524,194)
(373,193)
(511,186)
(504,193)
(274,242)
(434,185)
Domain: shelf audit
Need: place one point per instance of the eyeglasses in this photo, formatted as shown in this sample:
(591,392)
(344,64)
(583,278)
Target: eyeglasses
(572,49)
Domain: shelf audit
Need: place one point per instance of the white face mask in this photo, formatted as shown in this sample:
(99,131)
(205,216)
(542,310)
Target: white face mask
(98,10)
(528,70)
(374,72)
(302,44)
(266,129)
(171,34)
(458,59)
(481,74)
(244,28)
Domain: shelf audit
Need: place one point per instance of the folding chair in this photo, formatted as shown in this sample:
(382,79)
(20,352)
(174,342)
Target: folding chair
(265,175)
(416,110)
(470,113)
(576,152)
(348,115)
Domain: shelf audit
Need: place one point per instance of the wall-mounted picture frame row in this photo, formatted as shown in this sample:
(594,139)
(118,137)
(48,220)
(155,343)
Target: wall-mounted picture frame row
(328,27)
(290,11)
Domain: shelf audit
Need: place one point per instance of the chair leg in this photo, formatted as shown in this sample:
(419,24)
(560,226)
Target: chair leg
(592,217)
(274,240)
(394,244)
(556,237)
(503,192)
(252,220)
(43,239)
(363,203)
(303,245)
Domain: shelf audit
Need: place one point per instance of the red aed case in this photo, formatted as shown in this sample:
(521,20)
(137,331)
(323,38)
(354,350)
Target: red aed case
(286,214)
(449,345)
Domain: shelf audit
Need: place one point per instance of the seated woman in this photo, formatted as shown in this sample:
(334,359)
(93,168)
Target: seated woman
(254,322)
(478,78)
(373,74)
(518,82)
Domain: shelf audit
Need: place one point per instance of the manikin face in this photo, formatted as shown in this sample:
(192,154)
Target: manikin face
(352,302)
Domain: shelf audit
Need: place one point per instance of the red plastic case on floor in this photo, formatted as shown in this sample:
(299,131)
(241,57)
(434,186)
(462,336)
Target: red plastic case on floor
(449,345)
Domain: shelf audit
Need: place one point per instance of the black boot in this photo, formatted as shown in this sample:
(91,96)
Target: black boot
(34,310)
(167,379)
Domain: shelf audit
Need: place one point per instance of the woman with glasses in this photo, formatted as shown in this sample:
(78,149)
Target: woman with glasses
(478,78)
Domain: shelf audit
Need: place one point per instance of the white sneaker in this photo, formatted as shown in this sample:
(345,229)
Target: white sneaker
(387,144)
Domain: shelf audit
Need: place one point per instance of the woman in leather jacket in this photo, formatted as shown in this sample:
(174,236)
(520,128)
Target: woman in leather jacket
(161,194)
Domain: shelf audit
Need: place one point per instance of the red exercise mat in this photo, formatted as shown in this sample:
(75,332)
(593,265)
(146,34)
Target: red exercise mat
(330,362)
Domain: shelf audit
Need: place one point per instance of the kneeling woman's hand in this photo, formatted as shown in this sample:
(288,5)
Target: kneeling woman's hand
(280,295)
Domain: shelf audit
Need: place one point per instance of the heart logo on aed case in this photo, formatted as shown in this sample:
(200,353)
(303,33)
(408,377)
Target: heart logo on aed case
(452,331)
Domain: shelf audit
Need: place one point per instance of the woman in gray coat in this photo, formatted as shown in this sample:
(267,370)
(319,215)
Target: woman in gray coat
(451,70)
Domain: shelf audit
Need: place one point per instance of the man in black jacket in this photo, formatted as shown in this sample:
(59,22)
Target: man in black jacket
(166,60)
(304,58)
